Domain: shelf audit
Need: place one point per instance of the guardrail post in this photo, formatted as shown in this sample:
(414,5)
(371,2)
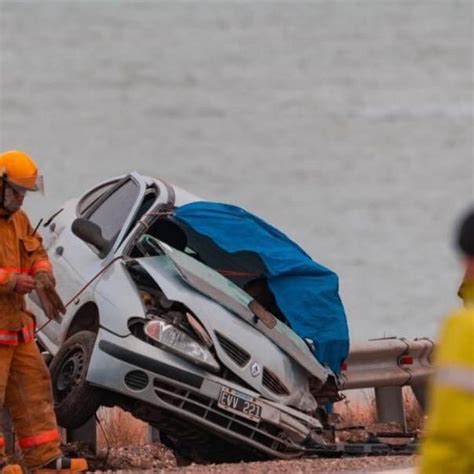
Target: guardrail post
(8,432)
(87,433)
(390,408)
(154,434)
(419,390)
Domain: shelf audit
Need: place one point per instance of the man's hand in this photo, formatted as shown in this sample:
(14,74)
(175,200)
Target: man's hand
(44,280)
(51,303)
(24,283)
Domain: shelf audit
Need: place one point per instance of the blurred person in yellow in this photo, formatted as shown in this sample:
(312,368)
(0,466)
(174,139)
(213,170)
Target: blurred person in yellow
(25,384)
(448,445)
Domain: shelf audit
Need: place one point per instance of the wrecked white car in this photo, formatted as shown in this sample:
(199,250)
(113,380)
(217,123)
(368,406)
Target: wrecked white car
(196,317)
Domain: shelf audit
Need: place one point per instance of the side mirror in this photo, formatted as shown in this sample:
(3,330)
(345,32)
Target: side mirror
(91,233)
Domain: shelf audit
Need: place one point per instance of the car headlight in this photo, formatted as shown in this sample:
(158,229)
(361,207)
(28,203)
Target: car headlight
(178,342)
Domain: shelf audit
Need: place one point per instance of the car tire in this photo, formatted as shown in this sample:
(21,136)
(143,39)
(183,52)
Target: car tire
(75,400)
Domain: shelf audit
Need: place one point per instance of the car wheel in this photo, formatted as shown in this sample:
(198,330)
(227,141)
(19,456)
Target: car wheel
(75,400)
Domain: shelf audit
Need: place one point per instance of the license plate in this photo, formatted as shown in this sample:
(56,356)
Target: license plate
(239,403)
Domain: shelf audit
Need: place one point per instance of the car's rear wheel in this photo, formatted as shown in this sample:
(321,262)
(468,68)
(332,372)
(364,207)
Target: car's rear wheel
(75,400)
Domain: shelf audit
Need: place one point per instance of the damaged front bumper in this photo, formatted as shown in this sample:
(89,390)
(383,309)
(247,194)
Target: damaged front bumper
(131,367)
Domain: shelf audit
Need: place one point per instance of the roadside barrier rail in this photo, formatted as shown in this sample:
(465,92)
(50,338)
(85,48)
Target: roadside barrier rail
(387,362)
(387,365)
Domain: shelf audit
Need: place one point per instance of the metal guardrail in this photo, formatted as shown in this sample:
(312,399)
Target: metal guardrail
(387,365)
(387,362)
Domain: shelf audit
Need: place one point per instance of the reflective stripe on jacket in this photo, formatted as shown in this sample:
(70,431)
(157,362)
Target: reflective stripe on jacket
(39,439)
(12,338)
(449,442)
(21,251)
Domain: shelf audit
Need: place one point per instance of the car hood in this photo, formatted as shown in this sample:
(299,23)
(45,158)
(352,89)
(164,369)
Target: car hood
(212,284)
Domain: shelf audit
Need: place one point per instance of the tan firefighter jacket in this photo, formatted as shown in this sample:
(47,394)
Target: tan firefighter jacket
(21,251)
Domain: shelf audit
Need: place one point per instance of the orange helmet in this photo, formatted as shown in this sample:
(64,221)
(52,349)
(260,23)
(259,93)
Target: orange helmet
(19,171)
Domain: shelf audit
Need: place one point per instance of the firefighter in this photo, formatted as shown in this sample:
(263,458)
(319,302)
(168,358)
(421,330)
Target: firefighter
(449,442)
(25,385)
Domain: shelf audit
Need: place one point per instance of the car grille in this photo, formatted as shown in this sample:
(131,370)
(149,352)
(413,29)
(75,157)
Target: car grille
(136,380)
(272,383)
(235,352)
(261,433)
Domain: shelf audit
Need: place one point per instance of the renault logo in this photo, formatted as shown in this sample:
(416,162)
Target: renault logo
(255,369)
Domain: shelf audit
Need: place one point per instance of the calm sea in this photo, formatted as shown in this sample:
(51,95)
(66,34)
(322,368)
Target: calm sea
(348,124)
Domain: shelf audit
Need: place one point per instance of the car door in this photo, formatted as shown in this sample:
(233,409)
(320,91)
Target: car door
(76,263)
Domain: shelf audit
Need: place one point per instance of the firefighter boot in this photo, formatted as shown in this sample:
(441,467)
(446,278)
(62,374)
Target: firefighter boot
(11,469)
(62,465)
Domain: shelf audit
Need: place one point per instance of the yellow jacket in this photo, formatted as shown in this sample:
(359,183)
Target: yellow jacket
(448,446)
(20,252)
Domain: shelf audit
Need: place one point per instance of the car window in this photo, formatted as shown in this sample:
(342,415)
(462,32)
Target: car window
(92,196)
(111,215)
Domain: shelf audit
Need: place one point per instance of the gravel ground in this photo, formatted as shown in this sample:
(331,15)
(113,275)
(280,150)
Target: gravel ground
(300,466)
(158,459)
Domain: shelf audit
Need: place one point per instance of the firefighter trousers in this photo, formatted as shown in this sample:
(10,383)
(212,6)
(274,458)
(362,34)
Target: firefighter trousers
(25,388)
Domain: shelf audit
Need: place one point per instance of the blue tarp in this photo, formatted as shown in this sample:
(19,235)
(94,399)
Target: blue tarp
(306,292)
